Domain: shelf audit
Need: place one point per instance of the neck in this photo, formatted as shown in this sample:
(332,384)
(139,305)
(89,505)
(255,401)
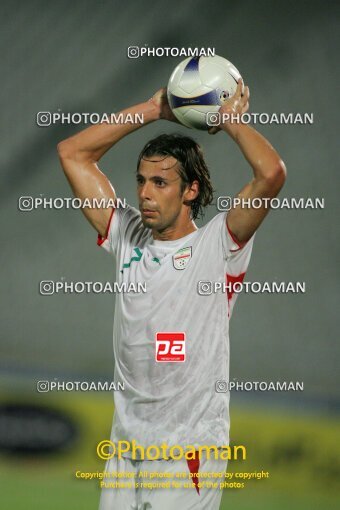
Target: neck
(172,233)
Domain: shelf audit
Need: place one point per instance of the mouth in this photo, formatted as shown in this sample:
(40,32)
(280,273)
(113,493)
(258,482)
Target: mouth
(148,212)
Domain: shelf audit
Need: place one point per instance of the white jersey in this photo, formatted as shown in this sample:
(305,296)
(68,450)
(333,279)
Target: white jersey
(171,344)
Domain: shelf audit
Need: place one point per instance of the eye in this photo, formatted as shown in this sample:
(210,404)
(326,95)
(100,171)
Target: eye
(140,180)
(160,183)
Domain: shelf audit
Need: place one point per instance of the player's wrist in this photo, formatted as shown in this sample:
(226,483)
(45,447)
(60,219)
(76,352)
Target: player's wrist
(144,113)
(154,109)
(233,129)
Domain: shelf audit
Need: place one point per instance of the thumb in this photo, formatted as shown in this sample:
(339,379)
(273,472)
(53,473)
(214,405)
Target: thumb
(213,130)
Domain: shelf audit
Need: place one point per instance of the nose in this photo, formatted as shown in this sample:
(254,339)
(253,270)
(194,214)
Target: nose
(144,191)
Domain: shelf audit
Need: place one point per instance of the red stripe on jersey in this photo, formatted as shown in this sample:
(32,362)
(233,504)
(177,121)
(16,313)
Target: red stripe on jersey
(101,239)
(194,465)
(230,279)
(239,244)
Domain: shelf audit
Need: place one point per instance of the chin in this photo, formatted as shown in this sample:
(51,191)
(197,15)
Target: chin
(148,223)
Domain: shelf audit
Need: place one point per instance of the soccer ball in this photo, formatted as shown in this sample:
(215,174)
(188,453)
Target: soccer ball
(199,86)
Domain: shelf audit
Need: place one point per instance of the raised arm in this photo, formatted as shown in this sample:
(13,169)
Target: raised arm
(268,168)
(79,156)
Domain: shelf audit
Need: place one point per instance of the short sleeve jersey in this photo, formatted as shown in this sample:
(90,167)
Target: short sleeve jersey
(170,381)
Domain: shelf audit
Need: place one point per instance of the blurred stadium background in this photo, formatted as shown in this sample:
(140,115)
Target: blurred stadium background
(73,57)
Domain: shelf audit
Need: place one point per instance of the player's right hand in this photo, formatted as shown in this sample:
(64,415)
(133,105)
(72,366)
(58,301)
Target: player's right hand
(238,104)
(160,100)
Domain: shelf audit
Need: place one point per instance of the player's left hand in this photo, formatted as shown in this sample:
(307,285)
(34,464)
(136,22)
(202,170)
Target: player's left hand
(235,105)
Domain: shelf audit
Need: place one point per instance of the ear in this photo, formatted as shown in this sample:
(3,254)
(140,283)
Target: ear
(191,191)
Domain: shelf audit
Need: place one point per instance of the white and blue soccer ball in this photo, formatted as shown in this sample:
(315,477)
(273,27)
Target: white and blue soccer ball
(200,85)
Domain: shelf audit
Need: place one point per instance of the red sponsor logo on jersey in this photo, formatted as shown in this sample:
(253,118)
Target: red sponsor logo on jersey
(170,346)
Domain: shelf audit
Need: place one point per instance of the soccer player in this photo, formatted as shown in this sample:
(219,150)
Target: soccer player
(170,392)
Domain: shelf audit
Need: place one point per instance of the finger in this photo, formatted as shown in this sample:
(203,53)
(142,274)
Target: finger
(214,130)
(246,95)
(245,108)
(239,88)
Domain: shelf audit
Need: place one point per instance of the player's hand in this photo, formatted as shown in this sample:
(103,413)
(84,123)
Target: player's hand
(160,101)
(235,105)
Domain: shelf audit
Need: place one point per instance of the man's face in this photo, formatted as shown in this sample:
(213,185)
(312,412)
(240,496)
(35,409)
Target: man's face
(159,192)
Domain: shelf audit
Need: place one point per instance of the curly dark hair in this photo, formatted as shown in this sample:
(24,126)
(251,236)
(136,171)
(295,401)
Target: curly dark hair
(192,165)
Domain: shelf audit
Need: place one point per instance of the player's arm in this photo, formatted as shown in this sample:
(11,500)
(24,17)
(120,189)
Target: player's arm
(268,168)
(80,154)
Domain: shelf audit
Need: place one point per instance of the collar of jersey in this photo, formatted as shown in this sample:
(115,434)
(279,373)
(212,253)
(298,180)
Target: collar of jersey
(181,240)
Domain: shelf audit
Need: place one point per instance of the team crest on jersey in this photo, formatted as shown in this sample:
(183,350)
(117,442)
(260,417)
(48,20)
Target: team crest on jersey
(182,257)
